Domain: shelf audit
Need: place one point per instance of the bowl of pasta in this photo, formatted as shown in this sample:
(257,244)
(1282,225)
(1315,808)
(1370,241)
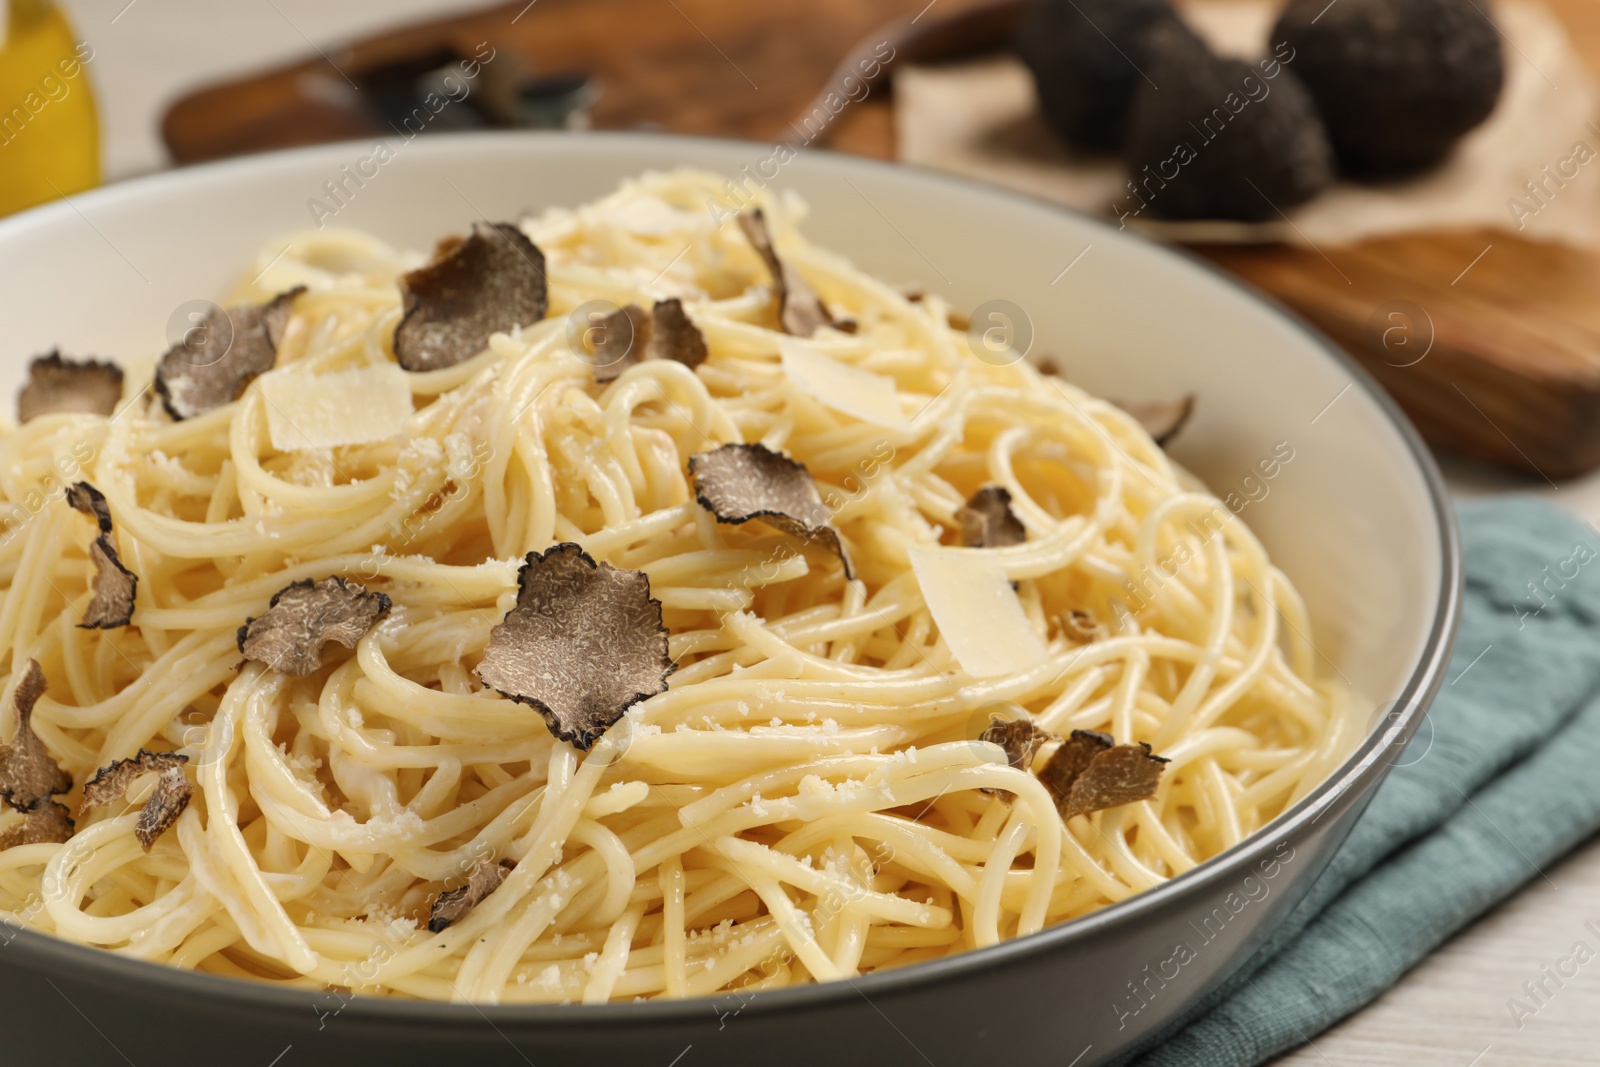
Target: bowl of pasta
(530,598)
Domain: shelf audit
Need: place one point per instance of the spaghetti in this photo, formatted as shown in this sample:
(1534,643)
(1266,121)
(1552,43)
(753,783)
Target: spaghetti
(807,799)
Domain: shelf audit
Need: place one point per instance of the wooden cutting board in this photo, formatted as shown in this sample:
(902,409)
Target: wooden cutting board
(1508,330)
(1495,358)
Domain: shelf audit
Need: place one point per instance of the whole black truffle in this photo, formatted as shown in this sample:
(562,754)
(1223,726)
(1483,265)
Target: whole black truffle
(1221,139)
(1086,57)
(1397,81)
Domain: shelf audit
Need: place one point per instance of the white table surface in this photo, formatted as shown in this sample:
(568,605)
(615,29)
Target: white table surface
(1451,1010)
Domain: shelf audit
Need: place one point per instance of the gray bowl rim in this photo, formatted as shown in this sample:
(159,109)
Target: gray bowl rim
(1359,774)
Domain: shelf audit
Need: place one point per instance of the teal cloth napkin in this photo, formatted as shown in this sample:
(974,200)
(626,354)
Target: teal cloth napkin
(1503,783)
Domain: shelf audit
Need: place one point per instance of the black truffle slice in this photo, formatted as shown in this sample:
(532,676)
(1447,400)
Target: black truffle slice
(1019,738)
(114,588)
(451,906)
(800,309)
(1397,81)
(166,802)
(1202,148)
(303,617)
(1119,775)
(45,822)
(89,500)
(620,341)
(1090,772)
(737,483)
(490,282)
(28,774)
(987,520)
(674,335)
(57,384)
(1072,759)
(1087,57)
(582,645)
(112,781)
(1162,419)
(212,364)
(628,336)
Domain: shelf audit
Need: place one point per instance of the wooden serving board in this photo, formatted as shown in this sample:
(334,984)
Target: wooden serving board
(1502,365)
(1508,330)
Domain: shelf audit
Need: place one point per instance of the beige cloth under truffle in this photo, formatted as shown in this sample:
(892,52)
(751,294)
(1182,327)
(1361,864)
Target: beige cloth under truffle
(979,119)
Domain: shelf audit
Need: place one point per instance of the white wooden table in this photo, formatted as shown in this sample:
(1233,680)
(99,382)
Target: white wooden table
(1452,1010)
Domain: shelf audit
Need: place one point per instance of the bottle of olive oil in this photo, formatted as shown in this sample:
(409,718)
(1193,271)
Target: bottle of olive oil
(49,129)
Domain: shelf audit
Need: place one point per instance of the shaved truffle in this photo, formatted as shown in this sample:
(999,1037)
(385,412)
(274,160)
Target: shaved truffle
(165,804)
(45,823)
(800,309)
(1119,775)
(988,522)
(28,774)
(488,283)
(737,483)
(583,643)
(92,502)
(628,336)
(1090,772)
(1072,759)
(1162,419)
(674,335)
(213,363)
(114,586)
(112,781)
(58,385)
(303,617)
(29,777)
(620,341)
(1019,738)
(452,906)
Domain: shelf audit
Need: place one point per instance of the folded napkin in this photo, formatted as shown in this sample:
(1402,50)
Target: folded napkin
(1498,782)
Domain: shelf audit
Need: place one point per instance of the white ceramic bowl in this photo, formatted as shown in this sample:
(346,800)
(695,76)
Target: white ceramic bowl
(1357,518)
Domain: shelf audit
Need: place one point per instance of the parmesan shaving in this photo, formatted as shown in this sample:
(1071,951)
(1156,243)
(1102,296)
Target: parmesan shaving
(352,407)
(977,611)
(858,393)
